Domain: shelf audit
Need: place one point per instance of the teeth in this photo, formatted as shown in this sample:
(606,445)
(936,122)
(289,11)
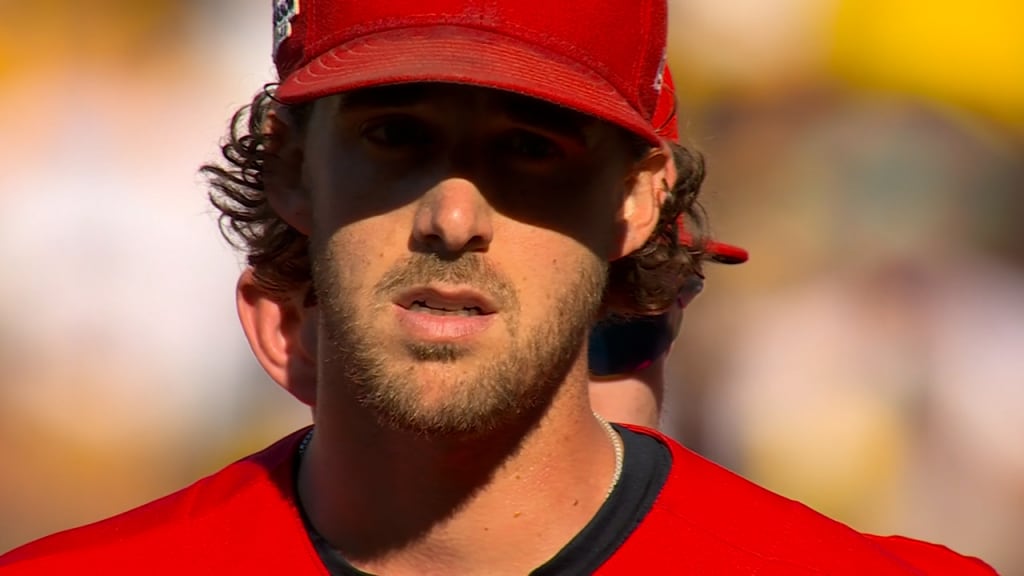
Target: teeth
(420,306)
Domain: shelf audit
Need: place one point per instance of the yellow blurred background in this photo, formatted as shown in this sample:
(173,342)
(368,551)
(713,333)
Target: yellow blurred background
(868,360)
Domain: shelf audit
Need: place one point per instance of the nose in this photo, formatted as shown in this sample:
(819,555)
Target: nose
(453,217)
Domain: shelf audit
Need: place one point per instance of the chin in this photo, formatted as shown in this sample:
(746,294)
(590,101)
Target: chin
(450,398)
(441,353)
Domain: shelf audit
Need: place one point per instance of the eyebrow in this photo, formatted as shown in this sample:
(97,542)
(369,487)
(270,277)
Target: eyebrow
(518,108)
(546,116)
(396,96)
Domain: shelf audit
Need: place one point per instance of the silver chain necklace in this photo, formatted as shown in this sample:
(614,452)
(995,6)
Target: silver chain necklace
(619,452)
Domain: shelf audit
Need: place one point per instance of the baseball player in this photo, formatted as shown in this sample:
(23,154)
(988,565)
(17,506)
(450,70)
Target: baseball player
(437,201)
(627,353)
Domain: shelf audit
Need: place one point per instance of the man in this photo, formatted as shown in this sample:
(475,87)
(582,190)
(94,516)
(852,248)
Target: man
(437,203)
(627,355)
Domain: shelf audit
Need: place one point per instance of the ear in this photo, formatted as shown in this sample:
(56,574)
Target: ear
(671,172)
(282,335)
(282,169)
(641,204)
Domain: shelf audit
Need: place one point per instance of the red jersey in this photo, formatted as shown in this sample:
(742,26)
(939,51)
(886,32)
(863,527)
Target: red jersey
(705,520)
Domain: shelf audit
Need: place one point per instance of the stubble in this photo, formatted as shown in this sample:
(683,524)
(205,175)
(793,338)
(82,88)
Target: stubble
(478,394)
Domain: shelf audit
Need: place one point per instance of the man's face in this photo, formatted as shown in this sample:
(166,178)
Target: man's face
(460,239)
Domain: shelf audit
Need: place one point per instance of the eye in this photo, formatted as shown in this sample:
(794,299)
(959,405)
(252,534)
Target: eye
(531,146)
(397,132)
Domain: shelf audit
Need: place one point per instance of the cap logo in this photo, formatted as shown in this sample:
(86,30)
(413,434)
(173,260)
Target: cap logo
(284,12)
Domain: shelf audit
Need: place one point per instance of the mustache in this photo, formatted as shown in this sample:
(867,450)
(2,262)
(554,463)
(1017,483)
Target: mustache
(468,269)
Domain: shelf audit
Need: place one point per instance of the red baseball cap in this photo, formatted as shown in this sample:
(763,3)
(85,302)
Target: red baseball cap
(666,124)
(606,59)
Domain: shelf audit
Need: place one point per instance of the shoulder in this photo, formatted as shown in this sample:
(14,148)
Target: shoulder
(234,507)
(932,558)
(711,520)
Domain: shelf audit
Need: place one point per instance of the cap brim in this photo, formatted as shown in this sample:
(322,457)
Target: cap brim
(726,253)
(462,55)
(717,251)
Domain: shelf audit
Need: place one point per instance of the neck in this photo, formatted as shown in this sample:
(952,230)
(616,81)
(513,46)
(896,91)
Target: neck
(397,502)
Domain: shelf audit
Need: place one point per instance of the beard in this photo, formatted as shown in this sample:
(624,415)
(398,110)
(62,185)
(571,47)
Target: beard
(467,394)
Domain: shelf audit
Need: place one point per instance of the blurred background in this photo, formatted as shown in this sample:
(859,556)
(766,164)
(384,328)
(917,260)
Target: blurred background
(868,360)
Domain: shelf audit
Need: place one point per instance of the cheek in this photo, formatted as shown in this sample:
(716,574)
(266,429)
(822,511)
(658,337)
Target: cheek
(581,209)
(342,195)
(361,252)
(363,218)
(544,264)
(347,187)
(348,260)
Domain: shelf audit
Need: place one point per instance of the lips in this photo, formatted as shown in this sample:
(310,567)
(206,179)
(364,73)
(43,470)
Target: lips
(444,314)
(424,307)
(442,301)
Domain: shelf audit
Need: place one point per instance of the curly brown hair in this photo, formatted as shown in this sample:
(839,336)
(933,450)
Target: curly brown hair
(647,281)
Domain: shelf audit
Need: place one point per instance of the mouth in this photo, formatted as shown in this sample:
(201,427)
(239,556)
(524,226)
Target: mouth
(438,301)
(441,314)
(423,307)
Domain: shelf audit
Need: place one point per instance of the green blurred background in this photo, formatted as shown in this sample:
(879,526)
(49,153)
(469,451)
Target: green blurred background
(868,360)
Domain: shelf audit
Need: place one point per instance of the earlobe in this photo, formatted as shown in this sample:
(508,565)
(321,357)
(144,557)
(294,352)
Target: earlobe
(282,170)
(641,205)
(279,333)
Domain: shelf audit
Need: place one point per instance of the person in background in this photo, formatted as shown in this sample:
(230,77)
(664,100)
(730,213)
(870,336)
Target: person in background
(627,354)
